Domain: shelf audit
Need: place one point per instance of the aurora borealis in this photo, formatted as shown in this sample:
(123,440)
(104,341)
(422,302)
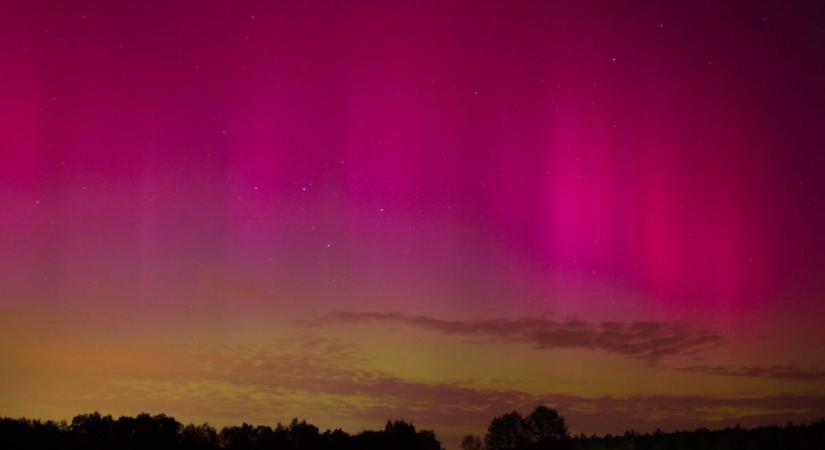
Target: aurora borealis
(436,211)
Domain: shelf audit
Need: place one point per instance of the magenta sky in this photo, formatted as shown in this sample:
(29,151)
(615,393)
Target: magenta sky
(584,186)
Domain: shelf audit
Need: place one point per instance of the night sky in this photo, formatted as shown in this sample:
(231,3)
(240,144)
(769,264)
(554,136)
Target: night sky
(436,211)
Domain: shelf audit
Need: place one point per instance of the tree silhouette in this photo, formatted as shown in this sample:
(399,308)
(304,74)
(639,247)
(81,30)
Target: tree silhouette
(200,437)
(146,431)
(93,431)
(545,425)
(507,432)
(472,442)
(540,429)
(304,435)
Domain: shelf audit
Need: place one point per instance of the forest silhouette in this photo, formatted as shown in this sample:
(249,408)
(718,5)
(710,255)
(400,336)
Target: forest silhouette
(542,429)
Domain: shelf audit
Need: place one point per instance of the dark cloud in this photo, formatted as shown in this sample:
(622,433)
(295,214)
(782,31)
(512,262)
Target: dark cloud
(649,341)
(775,372)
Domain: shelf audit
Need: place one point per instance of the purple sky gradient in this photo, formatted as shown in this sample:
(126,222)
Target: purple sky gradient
(277,162)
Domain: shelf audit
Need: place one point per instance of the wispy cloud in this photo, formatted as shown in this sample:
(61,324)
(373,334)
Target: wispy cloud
(649,341)
(312,378)
(775,371)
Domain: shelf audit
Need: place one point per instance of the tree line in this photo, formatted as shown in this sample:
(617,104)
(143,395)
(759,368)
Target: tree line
(545,429)
(542,429)
(144,432)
